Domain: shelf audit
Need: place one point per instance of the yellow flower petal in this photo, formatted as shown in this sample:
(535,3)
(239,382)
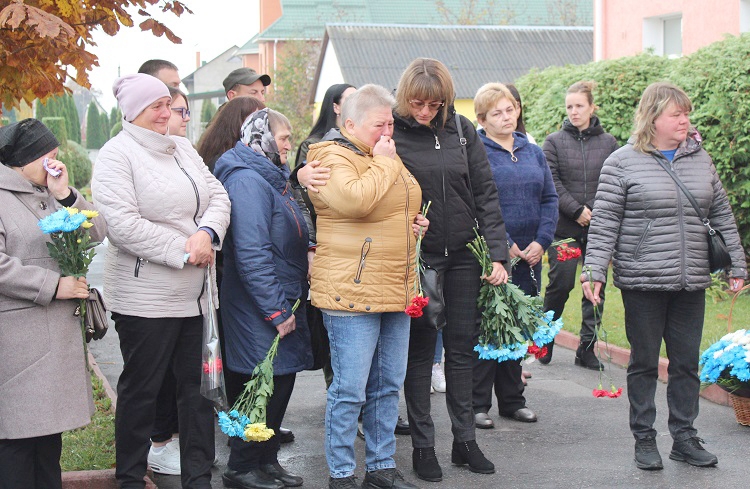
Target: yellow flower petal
(71,210)
(86,225)
(90,214)
(258,432)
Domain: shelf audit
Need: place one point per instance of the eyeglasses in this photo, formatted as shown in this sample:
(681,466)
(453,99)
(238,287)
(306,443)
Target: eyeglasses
(184,112)
(419,104)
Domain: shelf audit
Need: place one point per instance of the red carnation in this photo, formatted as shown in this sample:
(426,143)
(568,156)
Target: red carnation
(565,253)
(413,311)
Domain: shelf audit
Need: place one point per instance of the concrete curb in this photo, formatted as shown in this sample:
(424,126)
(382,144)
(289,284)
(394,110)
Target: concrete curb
(98,479)
(620,356)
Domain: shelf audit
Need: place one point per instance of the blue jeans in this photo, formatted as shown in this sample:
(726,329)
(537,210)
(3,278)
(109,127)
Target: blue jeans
(368,357)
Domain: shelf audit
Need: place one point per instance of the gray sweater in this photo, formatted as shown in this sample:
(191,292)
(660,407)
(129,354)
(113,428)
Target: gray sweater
(647,226)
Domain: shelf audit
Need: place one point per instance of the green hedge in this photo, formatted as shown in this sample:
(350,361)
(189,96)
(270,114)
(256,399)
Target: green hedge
(716,78)
(58,127)
(77,160)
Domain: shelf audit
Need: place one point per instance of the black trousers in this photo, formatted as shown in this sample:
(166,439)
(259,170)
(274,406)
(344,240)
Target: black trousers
(505,376)
(460,289)
(676,318)
(166,421)
(31,463)
(151,346)
(246,456)
(563,277)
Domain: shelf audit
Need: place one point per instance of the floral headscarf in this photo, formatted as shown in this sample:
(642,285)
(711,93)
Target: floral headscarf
(256,133)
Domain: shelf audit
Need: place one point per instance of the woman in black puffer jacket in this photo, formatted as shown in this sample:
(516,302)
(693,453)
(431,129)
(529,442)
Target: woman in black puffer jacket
(454,173)
(575,155)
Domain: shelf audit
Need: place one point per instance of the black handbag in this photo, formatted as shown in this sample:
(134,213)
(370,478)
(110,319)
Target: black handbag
(718,254)
(433,314)
(321,350)
(95,320)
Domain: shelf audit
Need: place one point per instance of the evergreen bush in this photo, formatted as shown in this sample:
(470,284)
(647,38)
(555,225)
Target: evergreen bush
(714,77)
(57,126)
(76,158)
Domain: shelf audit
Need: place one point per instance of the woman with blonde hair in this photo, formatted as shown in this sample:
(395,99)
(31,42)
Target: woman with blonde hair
(575,155)
(529,204)
(645,223)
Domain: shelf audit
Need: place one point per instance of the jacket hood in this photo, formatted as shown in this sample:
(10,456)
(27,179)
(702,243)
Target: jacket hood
(337,137)
(693,143)
(595,127)
(242,157)
(519,141)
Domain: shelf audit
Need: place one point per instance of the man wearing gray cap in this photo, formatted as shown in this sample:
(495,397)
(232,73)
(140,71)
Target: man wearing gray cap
(246,82)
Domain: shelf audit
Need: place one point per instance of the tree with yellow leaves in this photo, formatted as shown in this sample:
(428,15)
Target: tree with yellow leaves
(45,42)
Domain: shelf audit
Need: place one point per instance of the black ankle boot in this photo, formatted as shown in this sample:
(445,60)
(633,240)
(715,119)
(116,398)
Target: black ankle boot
(468,452)
(548,357)
(426,465)
(585,356)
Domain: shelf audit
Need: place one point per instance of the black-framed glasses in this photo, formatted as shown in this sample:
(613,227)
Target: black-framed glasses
(419,104)
(184,111)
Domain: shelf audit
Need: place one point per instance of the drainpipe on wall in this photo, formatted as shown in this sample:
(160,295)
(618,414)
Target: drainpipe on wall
(275,43)
(598,30)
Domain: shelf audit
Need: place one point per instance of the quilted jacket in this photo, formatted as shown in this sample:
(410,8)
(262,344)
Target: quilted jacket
(155,192)
(642,220)
(366,248)
(575,159)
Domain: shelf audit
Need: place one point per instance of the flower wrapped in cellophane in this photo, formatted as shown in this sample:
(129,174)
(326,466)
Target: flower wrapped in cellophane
(247,418)
(513,324)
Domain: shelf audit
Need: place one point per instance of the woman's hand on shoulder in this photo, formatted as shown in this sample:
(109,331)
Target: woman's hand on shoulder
(498,275)
(72,288)
(312,175)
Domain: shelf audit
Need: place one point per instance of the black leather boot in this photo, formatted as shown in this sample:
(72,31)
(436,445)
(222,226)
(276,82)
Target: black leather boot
(585,356)
(468,452)
(548,357)
(426,465)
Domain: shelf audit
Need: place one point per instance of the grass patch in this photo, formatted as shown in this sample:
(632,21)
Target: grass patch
(714,326)
(93,446)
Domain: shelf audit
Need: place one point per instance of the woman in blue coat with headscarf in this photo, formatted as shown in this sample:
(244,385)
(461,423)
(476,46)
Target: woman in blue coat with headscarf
(265,273)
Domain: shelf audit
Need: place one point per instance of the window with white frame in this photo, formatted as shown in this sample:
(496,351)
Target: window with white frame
(663,35)
(744,15)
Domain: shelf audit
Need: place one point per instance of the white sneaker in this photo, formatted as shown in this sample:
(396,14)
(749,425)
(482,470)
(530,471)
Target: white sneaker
(167,460)
(438,378)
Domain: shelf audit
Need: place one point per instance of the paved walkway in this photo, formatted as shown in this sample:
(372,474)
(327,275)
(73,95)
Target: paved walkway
(579,441)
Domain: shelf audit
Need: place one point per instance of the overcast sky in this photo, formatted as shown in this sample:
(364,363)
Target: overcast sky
(214,27)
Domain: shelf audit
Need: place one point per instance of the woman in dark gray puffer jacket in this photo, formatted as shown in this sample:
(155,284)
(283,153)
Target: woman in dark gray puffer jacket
(575,155)
(644,221)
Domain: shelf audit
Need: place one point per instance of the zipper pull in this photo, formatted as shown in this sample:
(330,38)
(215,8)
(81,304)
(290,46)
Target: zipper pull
(412,179)
(437,142)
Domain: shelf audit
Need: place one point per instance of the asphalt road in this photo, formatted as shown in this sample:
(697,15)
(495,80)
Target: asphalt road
(579,442)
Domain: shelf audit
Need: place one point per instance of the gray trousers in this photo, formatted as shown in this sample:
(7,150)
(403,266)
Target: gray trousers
(677,318)
(563,277)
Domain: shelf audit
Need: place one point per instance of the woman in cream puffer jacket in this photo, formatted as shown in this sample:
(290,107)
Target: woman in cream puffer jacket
(166,214)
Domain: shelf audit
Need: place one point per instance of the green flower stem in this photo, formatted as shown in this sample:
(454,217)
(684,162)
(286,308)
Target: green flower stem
(254,399)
